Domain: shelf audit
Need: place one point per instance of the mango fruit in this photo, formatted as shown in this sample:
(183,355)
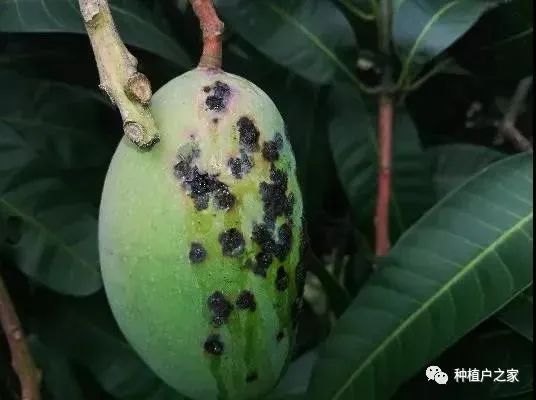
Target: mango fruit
(200,239)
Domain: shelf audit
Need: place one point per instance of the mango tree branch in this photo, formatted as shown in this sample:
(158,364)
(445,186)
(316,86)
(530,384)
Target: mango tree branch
(507,127)
(21,359)
(212,29)
(385,132)
(129,89)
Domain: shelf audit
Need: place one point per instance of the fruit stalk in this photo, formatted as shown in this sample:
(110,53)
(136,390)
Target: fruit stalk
(212,29)
(385,132)
(129,89)
(21,359)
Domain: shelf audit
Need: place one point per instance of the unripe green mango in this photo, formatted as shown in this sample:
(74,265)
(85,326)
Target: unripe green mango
(200,238)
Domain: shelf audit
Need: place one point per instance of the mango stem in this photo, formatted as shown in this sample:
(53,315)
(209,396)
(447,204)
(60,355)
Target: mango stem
(129,89)
(212,29)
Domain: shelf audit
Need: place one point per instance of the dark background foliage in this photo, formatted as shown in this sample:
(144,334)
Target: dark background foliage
(58,133)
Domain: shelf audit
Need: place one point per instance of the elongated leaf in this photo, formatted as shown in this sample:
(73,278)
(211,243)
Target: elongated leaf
(310,37)
(490,346)
(452,164)
(294,383)
(518,314)
(134,20)
(58,377)
(163,392)
(94,341)
(424,28)
(352,134)
(53,162)
(456,266)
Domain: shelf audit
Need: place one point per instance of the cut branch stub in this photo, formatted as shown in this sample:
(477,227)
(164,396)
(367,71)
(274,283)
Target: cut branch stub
(127,88)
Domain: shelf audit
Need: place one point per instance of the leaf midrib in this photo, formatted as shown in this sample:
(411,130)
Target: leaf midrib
(431,300)
(425,29)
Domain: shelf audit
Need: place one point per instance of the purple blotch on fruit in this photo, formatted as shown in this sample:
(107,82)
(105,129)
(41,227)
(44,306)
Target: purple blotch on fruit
(217,100)
(248,133)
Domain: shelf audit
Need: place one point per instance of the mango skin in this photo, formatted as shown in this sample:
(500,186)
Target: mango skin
(150,217)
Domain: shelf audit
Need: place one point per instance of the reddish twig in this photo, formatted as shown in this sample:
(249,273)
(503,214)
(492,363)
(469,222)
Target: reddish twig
(21,359)
(212,29)
(385,129)
(385,132)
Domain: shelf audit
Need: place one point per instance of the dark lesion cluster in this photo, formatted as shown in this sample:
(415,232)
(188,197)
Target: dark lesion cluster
(200,185)
(273,234)
(232,242)
(220,308)
(217,96)
(271,148)
(248,141)
(274,198)
(246,301)
(273,242)
(248,134)
(240,165)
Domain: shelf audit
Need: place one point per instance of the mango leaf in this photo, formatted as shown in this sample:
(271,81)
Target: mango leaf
(163,392)
(518,314)
(352,134)
(422,29)
(490,346)
(135,22)
(294,382)
(460,263)
(95,342)
(452,164)
(54,158)
(310,37)
(58,377)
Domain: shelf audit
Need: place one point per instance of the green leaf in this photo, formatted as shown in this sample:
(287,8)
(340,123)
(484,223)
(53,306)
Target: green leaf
(58,377)
(352,134)
(294,382)
(518,314)
(461,262)
(452,164)
(95,342)
(164,392)
(310,37)
(54,158)
(490,346)
(136,24)
(422,29)
(337,295)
